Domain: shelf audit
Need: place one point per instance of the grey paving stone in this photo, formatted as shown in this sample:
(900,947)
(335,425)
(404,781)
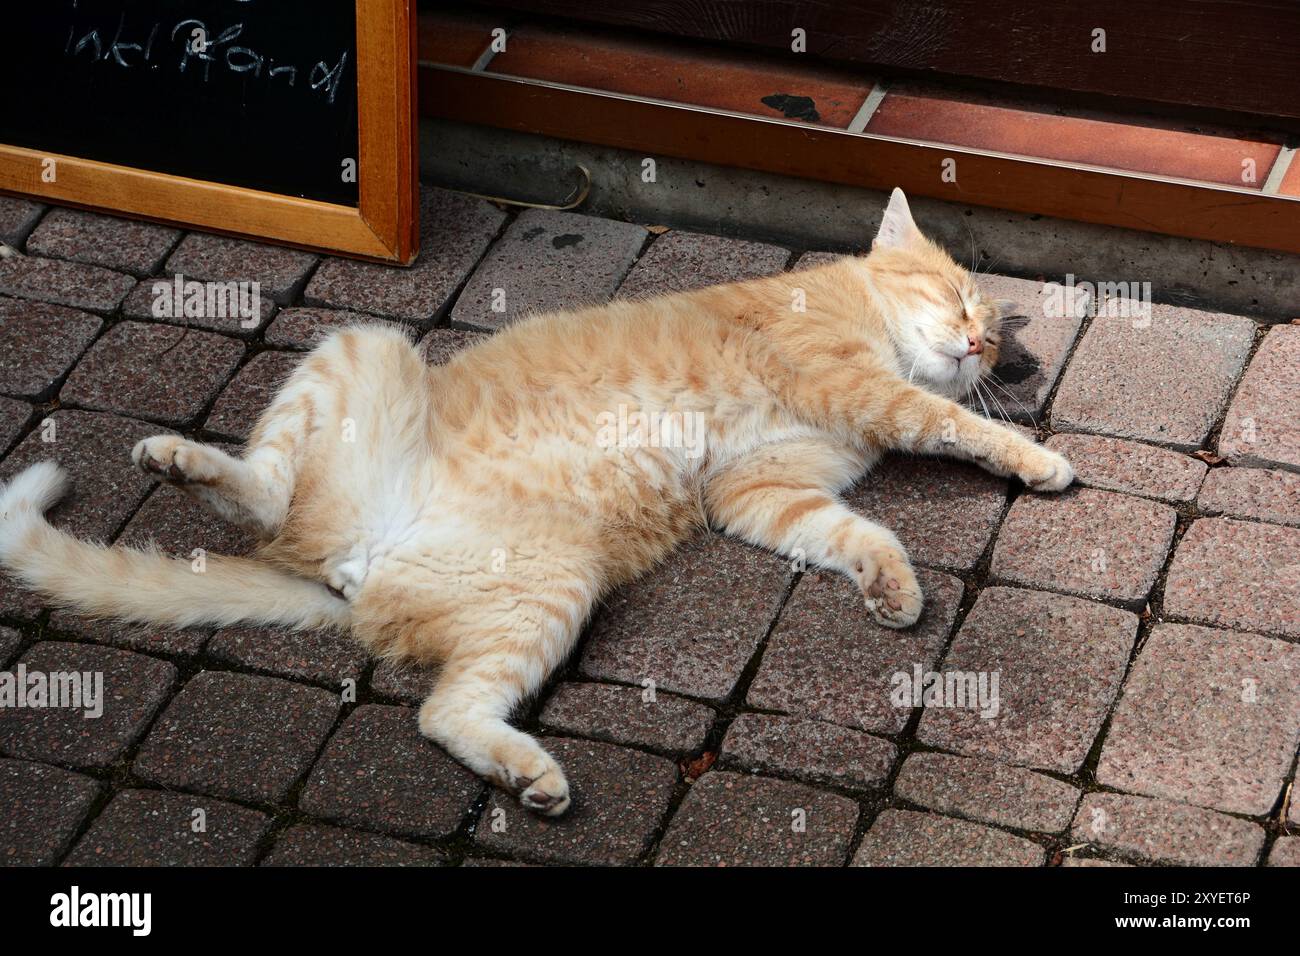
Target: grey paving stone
(810,750)
(159,372)
(677,261)
(629,715)
(41,810)
(731,819)
(1035,343)
(439,345)
(238,312)
(13,416)
(454,232)
(827,659)
(237,735)
(305,328)
(250,392)
(693,623)
(1262,426)
(321,657)
(17,217)
(1206,717)
(95,449)
(1165,832)
(378,773)
(908,838)
(987,791)
(1135,382)
(619,798)
(122,244)
(10,641)
(148,638)
(125,689)
(1236,574)
(281,272)
(405,683)
(1272,496)
(178,525)
(1086,542)
(56,281)
(1131,467)
(38,344)
(944,512)
(1059,662)
(311,845)
(149,828)
(1285,852)
(548,261)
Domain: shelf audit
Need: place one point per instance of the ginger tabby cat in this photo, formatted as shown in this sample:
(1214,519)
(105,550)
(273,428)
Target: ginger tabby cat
(472,514)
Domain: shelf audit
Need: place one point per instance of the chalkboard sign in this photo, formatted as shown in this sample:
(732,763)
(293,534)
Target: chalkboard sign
(286,119)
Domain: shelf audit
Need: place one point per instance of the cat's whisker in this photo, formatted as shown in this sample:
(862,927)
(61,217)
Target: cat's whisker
(993,379)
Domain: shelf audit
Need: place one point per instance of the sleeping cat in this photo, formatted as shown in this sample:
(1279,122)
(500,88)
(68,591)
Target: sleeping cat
(473,513)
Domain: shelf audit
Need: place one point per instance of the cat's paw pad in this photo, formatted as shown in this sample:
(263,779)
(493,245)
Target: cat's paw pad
(170,458)
(547,795)
(893,595)
(1046,470)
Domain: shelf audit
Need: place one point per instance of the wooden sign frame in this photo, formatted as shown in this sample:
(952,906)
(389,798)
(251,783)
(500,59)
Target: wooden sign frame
(383,227)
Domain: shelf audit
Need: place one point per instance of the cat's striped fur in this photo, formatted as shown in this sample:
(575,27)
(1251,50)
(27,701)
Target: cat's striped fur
(470,514)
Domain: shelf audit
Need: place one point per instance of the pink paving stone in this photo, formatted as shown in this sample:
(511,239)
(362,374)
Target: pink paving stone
(10,642)
(1092,862)
(1237,574)
(810,750)
(1131,467)
(1272,496)
(17,217)
(250,392)
(732,819)
(306,328)
(908,838)
(1059,662)
(280,272)
(944,512)
(42,809)
(178,525)
(1036,339)
(1165,380)
(987,791)
(157,639)
(95,449)
(1090,543)
(406,683)
(454,232)
(310,845)
(1165,832)
(73,284)
(159,372)
(319,657)
(1207,717)
(1262,427)
(620,797)
(439,345)
(547,261)
(827,659)
(693,623)
(628,715)
(156,300)
(123,244)
(13,416)
(678,261)
(39,343)
(1285,852)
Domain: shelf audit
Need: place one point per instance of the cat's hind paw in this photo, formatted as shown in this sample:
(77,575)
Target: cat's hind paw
(893,595)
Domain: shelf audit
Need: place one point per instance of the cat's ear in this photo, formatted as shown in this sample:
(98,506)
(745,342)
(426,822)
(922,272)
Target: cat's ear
(897,228)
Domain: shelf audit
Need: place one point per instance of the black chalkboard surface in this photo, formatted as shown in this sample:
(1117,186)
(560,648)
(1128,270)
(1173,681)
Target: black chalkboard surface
(258,94)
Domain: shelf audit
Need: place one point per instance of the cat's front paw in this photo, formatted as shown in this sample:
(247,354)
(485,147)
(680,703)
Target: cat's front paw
(171,458)
(892,593)
(1045,470)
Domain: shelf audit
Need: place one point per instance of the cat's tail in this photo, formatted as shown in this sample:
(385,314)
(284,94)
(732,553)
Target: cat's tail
(146,586)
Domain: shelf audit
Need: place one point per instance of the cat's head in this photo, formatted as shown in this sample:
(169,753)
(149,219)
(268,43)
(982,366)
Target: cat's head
(946,332)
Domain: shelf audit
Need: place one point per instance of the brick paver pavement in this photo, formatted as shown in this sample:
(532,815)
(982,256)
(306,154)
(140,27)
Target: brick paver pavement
(730,708)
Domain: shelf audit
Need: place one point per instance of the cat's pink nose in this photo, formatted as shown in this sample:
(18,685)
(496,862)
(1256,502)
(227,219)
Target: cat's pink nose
(975,345)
